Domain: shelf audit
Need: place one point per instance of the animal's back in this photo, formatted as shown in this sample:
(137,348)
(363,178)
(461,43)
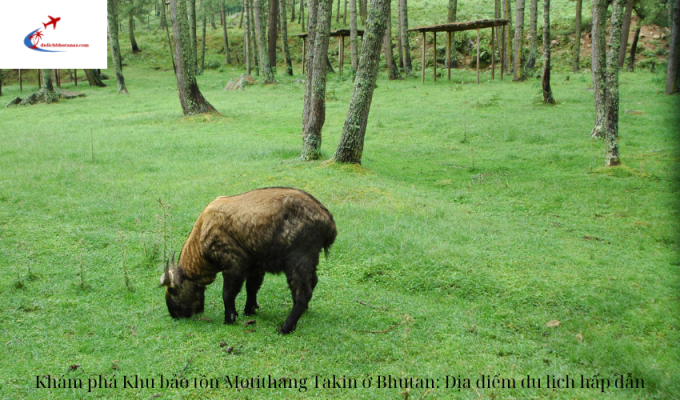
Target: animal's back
(261,224)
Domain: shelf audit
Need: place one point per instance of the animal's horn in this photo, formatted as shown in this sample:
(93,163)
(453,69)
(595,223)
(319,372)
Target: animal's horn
(165,278)
(173,260)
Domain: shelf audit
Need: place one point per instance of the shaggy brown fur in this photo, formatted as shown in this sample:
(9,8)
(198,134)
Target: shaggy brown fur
(265,230)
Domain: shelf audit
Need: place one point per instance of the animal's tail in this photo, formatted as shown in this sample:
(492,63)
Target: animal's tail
(330,238)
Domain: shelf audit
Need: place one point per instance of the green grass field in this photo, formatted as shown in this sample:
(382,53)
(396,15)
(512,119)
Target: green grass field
(477,217)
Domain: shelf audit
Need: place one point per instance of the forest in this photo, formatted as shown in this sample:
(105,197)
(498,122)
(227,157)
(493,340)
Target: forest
(503,176)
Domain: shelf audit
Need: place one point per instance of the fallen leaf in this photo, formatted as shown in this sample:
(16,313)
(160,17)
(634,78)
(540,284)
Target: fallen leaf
(553,324)
(249,322)
(579,337)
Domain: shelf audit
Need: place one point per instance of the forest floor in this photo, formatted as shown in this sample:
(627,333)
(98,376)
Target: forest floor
(478,219)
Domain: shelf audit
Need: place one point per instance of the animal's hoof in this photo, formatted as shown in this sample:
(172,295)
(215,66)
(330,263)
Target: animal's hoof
(250,310)
(230,318)
(286,330)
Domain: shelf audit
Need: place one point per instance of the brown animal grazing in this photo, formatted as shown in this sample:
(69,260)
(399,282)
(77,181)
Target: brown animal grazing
(265,230)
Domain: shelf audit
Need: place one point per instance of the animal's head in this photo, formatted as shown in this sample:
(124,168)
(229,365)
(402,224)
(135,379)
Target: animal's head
(183,296)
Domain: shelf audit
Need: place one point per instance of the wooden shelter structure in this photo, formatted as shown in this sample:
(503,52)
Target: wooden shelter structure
(341,34)
(463,26)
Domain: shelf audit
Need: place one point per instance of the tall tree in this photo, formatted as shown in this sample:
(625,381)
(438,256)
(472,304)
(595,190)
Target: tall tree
(353,36)
(625,29)
(633,50)
(612,87)
(265,67)
(674,52)
(273,31)
(577,37)
(200,71)
(49,94)
(316,117)
(337,15)
(507,14)
(599,65)
(192,33)
(164,19)
(131,29)
(253,39)
(284,39)
(497,15)
(115,46)
(246,37)
(190,96)
(94,78)
(519,37)
(312,10)
(224,32)
(351,145)
(393,70)
(451,17)
(292,12)
(344,18)
(545,82)
(533,34)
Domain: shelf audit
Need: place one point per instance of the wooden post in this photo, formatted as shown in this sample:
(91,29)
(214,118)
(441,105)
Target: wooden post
(75,76)
(478,56)
(493,54)
(448,54)
(39,79)
(304,54)
(423,63)
(502,51)
(21,83)
(435,56)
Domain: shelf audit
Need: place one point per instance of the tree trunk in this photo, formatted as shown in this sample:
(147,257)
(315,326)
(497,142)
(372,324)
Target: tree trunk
(253,39)
(224,32)
(190,96)
(337,14)
(115,46)
(292,11)
(265,67)
(312,9)
(203,43)
(49,94)
(545,82)
(633,50)
(625,29)
(497,15)
(351,145)
(244,6)
(192,33)
(353,36)
(246,37)
(311,136)
(131,26)
(273,31)
(164,19)
(364,12)
(94,78)
(533,34)
(674,52)
(393,71)
(519,38)
(171,48)
(301,15)
(577,36)
(599,64)
(612,87)
(508,34)
(344,18)
(403,33)
(451,17)
(284,39)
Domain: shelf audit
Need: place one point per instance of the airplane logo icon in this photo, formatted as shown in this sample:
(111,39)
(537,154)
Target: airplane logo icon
(53,22)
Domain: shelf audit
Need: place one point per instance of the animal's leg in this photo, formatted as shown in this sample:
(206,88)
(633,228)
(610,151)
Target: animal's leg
(253,284)
(232,286)
(301,280)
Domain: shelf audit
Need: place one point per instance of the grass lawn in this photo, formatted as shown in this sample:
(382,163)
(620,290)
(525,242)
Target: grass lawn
(477,217)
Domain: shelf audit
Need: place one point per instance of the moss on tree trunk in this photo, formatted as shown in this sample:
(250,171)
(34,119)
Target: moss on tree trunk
(545,82)
(599,59)
(519,38)
(190,96)
(115,45)
(316,116)
(351,144)
(265,68)
(284,38)
(577,36)
(612,87)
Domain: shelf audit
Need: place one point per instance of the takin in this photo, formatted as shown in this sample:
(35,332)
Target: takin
(265,230)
